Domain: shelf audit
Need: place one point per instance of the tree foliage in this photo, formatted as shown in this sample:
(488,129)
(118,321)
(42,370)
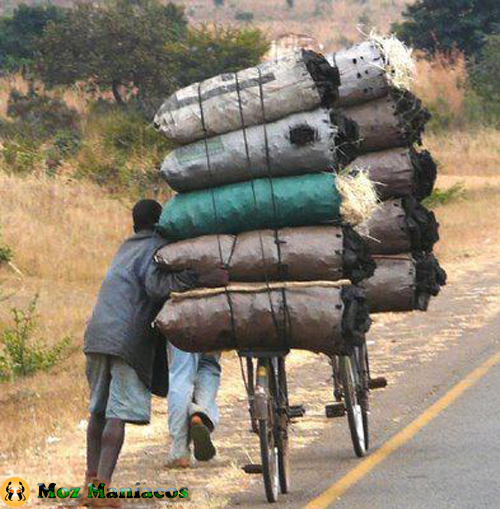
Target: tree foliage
(141,49)
(206,52)
(485,73)
(120,44)
(445,25)
(19,34)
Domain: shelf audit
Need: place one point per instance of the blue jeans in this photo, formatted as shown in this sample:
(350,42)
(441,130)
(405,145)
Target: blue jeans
(194,380)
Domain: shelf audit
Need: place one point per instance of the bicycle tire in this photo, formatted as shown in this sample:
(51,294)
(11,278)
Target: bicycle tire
(282,421)
(353,406)
(269,458)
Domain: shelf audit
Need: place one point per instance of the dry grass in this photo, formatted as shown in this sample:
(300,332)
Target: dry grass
(332,23)
(468,226)
(63,235)
(60,230)
(474,153)
(442,80)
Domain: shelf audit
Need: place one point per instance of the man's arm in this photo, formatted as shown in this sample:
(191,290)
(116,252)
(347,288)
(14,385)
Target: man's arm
(159,283)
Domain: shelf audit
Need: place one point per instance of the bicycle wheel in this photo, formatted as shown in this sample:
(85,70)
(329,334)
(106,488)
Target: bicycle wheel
(353,405)
(267,432)
(282,427)
(364,381)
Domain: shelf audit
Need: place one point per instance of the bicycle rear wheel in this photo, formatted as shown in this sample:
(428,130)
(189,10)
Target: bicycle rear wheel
(357,416)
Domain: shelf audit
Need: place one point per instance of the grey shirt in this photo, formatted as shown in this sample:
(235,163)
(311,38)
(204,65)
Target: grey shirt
(132,293)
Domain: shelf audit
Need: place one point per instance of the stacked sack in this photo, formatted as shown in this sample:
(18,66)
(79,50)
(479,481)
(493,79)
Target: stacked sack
(401,234)
(261,192)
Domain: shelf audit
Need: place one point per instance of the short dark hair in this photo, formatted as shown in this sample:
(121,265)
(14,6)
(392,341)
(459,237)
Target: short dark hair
(146,213)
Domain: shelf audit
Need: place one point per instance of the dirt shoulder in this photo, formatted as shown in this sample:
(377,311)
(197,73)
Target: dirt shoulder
(397,343)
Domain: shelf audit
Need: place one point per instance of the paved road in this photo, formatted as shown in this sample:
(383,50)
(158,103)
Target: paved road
(453,462)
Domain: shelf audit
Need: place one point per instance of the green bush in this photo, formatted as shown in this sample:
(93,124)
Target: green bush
(20,354)
(6,253)
(121,151)
(244,16)
(20,32)
(22,156)
(484,75)
(445,26)
(444,196)
(44,114)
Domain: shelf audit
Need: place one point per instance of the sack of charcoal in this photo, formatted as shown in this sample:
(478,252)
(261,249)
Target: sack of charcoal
(261,94)
(322,317)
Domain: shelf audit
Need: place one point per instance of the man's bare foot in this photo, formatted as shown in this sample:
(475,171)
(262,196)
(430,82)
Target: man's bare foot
(179,463)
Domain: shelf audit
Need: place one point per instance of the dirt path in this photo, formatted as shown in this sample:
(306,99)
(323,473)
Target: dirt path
(396,343)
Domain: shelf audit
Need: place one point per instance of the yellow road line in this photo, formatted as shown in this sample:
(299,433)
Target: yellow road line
(367,465)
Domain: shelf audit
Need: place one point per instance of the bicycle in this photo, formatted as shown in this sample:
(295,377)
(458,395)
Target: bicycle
(351,387)
(270,415)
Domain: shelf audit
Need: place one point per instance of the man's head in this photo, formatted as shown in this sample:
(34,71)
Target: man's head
(146,214)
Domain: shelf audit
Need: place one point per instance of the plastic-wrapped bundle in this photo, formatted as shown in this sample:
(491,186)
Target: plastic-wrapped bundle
(400,225)
(404,283)
(400,172)
(396,120)
(306,142)
(370,69)
(307,253)
(304,200)
(322,317)
(362,73)
(215,106)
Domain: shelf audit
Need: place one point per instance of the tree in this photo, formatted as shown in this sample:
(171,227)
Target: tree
(121,44)
(20,32)
(141,50)
(485,73)
(207,52)
(447,25)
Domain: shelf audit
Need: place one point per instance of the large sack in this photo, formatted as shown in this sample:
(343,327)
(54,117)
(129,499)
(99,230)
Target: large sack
(306,253)
(362,72)
(304,200)
(400,225)
(400,172)
(396,120)
(253,96)
(370,69)
(403,283)
(317,316)
(306,142)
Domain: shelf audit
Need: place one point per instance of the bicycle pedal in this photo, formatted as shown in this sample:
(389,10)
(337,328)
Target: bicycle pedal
(296,411)
(377,383)
(252,468)
(335,410)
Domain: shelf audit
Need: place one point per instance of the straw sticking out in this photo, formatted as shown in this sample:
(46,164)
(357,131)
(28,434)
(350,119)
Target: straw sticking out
(359,197)
(399,64)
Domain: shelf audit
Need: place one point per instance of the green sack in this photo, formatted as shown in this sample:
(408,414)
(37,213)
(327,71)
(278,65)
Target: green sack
(298,201)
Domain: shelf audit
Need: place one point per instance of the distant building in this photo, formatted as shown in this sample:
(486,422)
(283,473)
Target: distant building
(290,42)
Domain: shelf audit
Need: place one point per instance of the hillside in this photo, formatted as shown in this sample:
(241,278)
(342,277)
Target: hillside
(334,23)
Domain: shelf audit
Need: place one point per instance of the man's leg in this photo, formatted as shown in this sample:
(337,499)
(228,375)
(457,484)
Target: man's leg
(204,414)
(129,401)
(95,428)
(182,372)
(206,387)
(98,374)
(111,446)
